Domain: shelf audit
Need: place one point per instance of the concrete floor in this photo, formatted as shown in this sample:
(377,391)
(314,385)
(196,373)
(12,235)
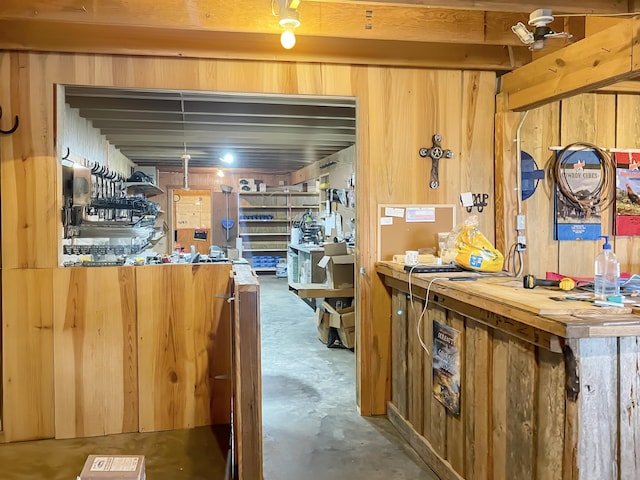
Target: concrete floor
(312,430)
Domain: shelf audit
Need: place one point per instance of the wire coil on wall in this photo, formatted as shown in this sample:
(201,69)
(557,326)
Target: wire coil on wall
(600,196)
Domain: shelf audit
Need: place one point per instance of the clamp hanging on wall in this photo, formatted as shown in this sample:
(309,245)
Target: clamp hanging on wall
(436,152)
(12,129)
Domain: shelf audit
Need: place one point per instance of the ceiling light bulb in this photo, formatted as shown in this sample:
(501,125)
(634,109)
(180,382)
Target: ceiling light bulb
(220,173)
(227,158)
(288,39)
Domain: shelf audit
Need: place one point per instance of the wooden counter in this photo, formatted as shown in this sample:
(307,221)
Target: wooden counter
(548,390)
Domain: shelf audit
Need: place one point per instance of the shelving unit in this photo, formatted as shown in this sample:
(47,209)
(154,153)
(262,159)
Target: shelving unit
(264,224)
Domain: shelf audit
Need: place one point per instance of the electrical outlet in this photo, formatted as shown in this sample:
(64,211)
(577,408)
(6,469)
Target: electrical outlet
(520,222)
(521,244)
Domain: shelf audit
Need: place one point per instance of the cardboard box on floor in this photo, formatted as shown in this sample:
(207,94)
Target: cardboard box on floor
(322,322)
(344,321)
(338,264)
(113,467)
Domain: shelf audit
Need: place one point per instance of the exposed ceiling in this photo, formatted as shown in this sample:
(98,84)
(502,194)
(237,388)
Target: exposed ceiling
(472,34)
(153,127)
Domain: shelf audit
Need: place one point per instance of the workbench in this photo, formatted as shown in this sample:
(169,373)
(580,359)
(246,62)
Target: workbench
(546,389)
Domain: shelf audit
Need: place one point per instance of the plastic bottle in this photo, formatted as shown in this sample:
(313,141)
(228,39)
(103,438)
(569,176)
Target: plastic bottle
(606,272)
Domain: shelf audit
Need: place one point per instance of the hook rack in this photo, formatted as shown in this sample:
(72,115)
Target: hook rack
(12,129)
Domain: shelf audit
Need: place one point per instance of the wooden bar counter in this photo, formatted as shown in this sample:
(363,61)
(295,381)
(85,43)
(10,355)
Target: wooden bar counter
(547,389)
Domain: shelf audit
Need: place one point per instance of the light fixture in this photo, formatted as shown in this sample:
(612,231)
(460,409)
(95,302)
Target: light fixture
(227,158)
(540,20)
(289,20)
(220,173)
(288,39)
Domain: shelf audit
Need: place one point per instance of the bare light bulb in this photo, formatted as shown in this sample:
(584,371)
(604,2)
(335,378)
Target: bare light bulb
(220,173)
(288,39)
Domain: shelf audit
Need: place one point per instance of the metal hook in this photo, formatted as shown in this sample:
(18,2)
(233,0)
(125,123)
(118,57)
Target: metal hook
(67,154)
(11,130)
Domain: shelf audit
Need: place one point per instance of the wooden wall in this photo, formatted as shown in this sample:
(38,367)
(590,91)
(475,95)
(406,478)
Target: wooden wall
(201,178)
(95,351)
(607,120)
(399,109)
(340,168)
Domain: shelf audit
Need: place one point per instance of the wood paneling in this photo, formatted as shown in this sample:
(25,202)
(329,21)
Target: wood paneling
(27,354)
(599,111)
(247,376)
(550,415)
(607,120)
(95,352)
(598,449)
(399,109)
(477,400)
(28,169)
(627,249)
(399,351)
(629,408)
(183,346)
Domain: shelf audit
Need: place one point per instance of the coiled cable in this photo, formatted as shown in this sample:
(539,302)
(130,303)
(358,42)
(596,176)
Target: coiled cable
(600,197)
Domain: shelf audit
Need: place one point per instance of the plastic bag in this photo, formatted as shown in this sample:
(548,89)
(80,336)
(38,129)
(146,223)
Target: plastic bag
(470,249)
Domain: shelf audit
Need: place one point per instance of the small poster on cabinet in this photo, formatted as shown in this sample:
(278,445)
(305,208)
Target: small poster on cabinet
(446,366)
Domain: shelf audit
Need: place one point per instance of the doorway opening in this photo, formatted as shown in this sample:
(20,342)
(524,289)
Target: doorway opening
(292,183)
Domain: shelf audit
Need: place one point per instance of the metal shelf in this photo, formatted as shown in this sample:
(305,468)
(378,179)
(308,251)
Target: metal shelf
(275,207)
(145,188)
(275,220)
(293,194)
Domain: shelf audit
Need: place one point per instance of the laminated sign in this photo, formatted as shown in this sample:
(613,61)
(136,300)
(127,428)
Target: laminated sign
(581,171)
(446,366)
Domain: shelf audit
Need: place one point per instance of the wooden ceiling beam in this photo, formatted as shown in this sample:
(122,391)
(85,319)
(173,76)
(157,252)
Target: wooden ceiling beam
(594,62)
(108,39)
(356,20)
(629,86)
(565,6)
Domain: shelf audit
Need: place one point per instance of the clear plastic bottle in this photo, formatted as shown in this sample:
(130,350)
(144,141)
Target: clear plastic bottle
(606,272)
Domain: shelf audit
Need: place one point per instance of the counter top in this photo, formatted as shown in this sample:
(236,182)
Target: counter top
(502,299)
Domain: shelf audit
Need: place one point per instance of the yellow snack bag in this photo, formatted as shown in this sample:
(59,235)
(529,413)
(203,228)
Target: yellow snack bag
(473,250)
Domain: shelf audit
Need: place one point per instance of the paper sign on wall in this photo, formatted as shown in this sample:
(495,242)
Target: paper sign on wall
(421,214)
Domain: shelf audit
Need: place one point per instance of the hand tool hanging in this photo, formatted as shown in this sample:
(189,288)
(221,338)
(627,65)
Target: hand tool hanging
(435,152)
(12,129)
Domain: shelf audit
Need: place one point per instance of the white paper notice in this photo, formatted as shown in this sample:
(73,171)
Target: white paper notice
(394,212)
(466,199)
(386,220)
(421,214)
